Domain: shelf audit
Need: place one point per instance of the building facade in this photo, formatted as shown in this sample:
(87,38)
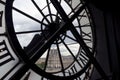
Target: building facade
(54,63)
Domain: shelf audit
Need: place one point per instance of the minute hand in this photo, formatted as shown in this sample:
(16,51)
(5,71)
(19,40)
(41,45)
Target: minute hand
(60,30)
(68,23)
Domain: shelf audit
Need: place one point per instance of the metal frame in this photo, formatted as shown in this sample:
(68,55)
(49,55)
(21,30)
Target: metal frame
(29,61)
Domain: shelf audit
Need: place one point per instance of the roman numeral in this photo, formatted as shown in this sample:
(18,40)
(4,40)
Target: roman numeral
(5,55)
(73,70)
(83,59)
(1,14)
(87,36)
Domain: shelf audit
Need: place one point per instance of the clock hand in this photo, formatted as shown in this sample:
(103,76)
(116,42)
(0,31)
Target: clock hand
(63,27)
(76,34)
(46,45)
(53,37)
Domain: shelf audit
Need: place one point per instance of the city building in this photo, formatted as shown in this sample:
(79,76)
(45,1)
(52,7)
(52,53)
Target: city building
(54,63)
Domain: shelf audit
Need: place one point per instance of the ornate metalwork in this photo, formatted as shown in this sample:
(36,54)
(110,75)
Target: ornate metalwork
(52,38)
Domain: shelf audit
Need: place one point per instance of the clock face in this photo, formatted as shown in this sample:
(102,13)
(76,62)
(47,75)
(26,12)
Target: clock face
(41,39)
(9,60)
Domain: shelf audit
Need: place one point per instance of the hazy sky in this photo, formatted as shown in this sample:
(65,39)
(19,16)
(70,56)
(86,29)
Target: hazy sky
(23,23)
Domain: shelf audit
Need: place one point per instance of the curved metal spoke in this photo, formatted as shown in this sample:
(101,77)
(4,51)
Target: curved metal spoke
(27,15)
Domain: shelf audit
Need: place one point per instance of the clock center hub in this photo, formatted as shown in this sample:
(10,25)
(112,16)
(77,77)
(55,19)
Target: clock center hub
(53,27)
(53,22)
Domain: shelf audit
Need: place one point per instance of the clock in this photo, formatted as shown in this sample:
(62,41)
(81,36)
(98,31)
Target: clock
(9,60)
(46,40)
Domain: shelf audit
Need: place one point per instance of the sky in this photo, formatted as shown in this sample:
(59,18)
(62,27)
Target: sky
(22,23)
